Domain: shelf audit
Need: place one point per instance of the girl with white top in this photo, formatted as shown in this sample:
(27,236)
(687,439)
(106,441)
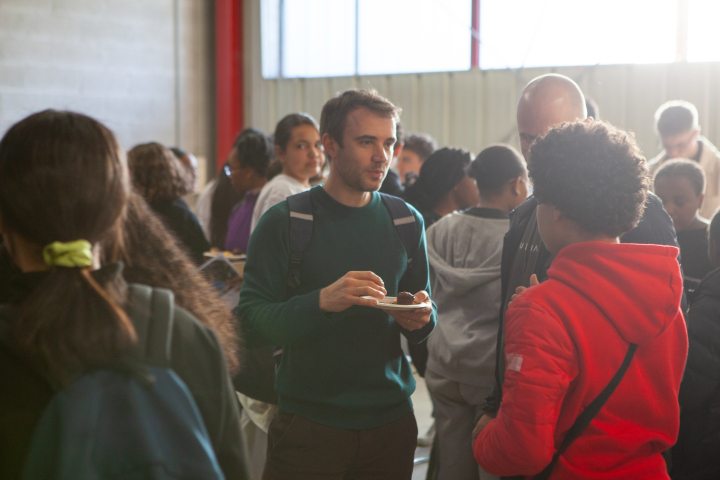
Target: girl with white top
(298,146)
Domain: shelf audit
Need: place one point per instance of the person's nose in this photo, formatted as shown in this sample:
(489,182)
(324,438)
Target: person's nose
(671,210)
(381,155)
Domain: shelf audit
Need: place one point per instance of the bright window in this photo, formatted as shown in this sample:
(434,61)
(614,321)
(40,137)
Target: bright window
(322,38)
(539,33)
(702,31)
(408,36)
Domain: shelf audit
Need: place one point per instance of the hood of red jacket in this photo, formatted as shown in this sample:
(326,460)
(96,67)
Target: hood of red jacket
(637,287)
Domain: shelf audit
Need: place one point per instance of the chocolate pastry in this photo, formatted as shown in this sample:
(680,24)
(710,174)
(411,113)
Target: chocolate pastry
(405,298)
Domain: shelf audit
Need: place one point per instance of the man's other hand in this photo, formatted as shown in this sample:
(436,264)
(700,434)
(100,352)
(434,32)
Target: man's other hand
(413,319)
(533,281)
(347,292)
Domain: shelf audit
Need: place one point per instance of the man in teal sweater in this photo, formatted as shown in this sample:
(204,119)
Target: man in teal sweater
(344,384)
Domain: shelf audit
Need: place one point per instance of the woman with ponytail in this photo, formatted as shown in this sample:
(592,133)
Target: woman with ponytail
(64,189)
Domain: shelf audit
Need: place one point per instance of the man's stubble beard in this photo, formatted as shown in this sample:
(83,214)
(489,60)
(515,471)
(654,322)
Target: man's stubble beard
(353,175)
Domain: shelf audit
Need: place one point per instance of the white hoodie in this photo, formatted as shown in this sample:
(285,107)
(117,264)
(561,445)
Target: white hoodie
(465,251)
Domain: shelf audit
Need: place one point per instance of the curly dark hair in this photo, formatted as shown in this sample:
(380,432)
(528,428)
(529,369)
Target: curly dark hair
(439,174)
(594,173)
(157,174)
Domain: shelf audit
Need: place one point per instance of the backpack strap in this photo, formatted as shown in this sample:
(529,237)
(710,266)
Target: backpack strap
(301,227)
(154,337)
(404,222)
(589,413)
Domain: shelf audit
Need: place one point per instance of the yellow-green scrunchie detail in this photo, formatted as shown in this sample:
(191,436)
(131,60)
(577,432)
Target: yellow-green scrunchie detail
(77,254)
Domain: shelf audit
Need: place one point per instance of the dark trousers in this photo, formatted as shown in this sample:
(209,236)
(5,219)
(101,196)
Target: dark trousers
(300,449)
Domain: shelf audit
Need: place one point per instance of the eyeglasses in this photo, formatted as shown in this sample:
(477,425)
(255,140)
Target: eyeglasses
(679,147)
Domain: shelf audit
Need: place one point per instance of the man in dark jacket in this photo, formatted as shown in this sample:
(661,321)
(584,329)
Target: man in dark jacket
(547,101)
(695,454)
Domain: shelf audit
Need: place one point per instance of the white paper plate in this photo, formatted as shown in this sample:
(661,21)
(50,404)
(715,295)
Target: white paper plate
(387,303)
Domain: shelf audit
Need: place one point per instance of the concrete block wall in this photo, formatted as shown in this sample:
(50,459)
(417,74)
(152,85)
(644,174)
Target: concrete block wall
(142,67)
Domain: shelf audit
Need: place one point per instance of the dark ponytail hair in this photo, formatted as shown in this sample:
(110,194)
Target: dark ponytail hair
(64,178)
(495,166)
(284,128)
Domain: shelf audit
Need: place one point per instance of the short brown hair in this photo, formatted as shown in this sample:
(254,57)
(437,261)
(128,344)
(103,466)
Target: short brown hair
(336,110)
(157,174)
(422,144)
(676,117)
(592,172)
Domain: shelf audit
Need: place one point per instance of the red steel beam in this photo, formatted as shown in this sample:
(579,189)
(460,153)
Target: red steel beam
(228,74)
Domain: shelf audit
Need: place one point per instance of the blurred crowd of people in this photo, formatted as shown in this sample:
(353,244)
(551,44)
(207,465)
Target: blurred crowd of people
(564,312)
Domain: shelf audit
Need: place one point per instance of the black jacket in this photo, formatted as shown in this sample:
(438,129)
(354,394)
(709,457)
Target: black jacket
(697,452)
(655,227)
(196,358)
(178,218)
(392,186)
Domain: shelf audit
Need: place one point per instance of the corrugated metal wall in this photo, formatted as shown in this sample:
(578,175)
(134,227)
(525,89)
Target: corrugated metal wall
(476,108)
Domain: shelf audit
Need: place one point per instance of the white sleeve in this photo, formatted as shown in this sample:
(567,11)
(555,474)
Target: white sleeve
(276,194)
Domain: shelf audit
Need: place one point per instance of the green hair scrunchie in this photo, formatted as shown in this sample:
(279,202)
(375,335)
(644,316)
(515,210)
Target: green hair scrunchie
(77,254)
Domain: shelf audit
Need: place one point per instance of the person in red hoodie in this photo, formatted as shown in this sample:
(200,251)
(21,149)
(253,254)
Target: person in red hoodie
(567,337)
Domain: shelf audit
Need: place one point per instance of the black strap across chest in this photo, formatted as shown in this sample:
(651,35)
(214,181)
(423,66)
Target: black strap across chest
(301,228)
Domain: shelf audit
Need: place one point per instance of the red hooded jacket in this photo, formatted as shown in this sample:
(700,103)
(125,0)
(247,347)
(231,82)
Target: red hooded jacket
(565,340)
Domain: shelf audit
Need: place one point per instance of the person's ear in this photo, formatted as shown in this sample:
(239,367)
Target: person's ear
(701,200)
(514,186)
(558,216)
(397,150)
(331,146)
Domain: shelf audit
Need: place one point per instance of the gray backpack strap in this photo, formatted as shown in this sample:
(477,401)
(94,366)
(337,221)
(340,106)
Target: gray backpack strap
(301,227)
(152,311)
(404,222)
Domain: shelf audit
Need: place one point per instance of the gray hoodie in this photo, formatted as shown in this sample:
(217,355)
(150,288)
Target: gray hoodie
(464,251)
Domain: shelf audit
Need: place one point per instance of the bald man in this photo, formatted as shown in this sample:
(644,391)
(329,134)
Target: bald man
(546,101)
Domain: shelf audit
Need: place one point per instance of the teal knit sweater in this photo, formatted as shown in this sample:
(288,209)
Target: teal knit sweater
(344,369)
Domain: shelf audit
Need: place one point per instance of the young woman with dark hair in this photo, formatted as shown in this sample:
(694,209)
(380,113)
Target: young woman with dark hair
(63,190)
(214,206)
(299,150)
(162,180)
(248,164)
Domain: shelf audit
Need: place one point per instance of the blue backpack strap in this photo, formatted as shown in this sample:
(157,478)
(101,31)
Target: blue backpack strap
(404,222)
(301,227)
